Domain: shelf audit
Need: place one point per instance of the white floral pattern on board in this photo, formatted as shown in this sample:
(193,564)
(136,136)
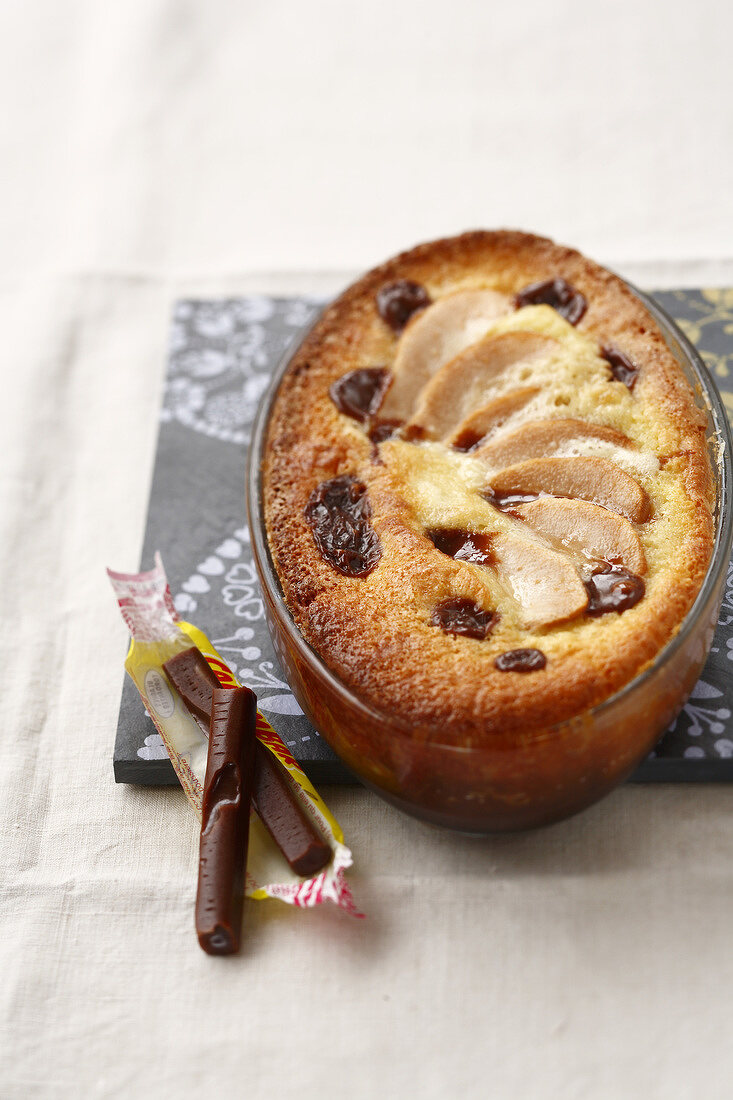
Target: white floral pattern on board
(153,748)
(234,585)
(221,358)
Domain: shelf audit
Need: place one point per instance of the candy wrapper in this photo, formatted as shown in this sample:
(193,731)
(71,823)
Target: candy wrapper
(157,634)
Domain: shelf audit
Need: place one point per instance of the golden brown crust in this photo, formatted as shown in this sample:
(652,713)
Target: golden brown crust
(375,632)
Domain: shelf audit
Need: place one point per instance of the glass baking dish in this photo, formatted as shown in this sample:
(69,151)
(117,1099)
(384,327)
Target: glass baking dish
(517,781)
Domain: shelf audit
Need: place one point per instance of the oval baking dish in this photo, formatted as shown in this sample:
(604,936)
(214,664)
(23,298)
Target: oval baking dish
(515,778)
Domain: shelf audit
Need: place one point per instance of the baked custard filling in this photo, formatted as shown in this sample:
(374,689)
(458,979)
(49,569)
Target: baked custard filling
(562,484)
(516,467)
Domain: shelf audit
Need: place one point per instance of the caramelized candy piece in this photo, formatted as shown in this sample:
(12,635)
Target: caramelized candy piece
(359,393)
(622,369)
(463,617)
(593,479)
(465,383)
(535,438)
(338,513)
(477,425)
(383,429)
(413,433)
(276,817)
(435,336)
(595,530)
(397,302)
(612,588)
(521,660)
(297,839)
(559,294)
(545,584)
(230,769)
(463,545)
(194,680)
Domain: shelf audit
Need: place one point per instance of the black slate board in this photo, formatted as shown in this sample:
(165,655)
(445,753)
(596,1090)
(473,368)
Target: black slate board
(222,353)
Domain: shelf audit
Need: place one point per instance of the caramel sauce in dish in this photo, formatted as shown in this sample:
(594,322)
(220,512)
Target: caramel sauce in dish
(521,660)
(338,513)
(398,302)
(622,369)
(613,588)
(558,294)
(359,393)
(462,617)
(464,545)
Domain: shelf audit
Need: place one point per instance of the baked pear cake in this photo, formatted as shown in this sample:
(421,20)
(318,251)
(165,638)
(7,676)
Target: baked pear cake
(487,490)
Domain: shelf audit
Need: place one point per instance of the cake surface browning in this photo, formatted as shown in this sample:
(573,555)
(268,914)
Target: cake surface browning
(518,466)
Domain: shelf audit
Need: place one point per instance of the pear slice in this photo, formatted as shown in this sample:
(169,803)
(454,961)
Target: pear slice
(579,525)
(435,335)
(465,382)
(594,479)
(537,437)
(484,420)
(544,583)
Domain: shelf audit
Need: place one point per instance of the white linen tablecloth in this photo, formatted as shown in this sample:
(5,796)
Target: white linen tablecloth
(158,149)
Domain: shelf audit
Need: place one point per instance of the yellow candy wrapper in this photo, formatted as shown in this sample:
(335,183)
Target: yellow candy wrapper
(157,634)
